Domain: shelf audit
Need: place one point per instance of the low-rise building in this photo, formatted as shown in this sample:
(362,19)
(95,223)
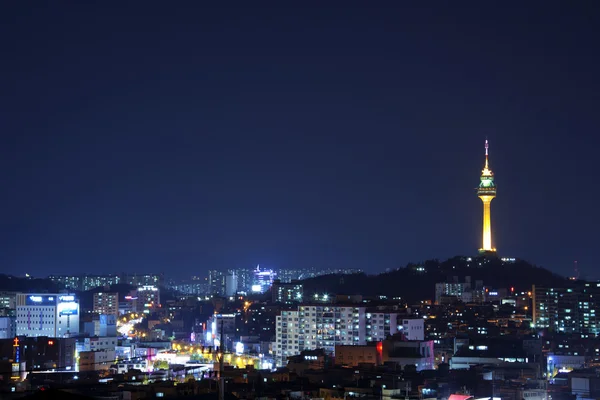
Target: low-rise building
(99,360)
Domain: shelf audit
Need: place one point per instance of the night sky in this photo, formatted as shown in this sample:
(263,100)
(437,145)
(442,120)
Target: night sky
(162,138)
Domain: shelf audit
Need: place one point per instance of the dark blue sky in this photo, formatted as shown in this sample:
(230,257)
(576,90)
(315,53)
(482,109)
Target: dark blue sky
(155,137)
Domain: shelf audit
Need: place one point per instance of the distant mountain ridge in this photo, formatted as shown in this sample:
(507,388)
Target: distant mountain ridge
(416,282)
(20,284)
(412,283)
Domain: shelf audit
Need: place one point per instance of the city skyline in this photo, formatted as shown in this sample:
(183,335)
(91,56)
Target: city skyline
(211,142)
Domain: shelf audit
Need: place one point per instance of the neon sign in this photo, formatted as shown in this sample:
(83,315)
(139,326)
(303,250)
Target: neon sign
(37,300)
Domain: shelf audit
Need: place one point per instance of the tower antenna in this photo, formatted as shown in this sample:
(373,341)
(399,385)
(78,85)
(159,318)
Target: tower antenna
(486,153)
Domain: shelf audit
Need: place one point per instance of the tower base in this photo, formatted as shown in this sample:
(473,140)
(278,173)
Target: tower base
(491,253)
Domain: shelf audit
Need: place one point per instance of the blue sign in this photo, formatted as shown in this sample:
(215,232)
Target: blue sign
(68,308)
(40,300)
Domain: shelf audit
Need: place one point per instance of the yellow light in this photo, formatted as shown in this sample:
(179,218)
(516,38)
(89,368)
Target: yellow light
(487,223)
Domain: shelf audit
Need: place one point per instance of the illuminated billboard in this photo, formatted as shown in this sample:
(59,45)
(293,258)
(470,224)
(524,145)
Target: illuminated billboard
(68,308)
(40,300)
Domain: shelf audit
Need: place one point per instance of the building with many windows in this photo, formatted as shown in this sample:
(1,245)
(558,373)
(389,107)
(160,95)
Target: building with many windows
(8,300)
(287,293)
(263,279)
(287,337)
(148,297)
(381,325)
(216,282)
(318,327)
(52,315)
(568,309)
(8,327)
(88,282)
(106,303)
(448,292)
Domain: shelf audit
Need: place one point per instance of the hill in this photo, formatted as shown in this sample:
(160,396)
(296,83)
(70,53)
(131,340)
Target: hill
(34,285)
(416,282)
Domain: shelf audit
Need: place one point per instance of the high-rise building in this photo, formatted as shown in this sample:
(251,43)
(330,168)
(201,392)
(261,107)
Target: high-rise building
(262,279)
(52,315)
(106,303)
(231,284)
(148,297)
(143,279)
(288,337)
(89,282)
(571,310)
(287,293)
(216,282)
(318,327)
(69,282)
(487,192)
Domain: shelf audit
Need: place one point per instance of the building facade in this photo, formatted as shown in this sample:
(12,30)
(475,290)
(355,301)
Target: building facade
(287,293)
(8,300)
(413,329)
(380,325)
(52,315)
(567,309)
(106,303)
(8,327)
(148,297)
(318,327)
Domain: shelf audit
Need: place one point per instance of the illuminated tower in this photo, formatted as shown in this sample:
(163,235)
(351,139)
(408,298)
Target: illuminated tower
(487,192)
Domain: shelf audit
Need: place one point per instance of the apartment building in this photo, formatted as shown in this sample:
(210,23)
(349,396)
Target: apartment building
(318,327)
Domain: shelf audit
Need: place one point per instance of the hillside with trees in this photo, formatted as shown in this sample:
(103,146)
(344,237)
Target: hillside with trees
(417,281)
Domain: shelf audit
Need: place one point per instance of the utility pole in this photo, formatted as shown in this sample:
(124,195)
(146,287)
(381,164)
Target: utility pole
(221,368)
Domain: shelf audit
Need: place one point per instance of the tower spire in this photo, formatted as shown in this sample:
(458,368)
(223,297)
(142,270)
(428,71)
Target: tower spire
(486,153)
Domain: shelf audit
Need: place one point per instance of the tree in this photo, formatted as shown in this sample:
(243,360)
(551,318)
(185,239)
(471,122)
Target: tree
(161,364)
